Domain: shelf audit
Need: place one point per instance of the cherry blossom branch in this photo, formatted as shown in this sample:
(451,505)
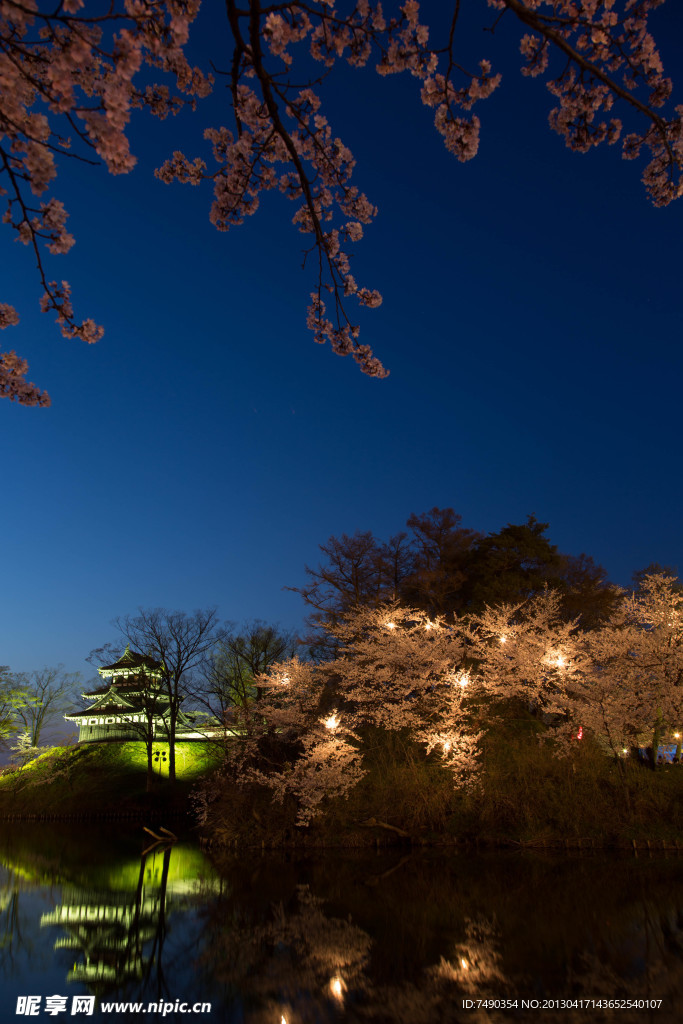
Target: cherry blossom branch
(666,146)
(538,22)
(66,57)
(72,70)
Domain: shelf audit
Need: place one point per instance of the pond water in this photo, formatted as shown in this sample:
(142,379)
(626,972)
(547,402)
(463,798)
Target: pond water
(91,919)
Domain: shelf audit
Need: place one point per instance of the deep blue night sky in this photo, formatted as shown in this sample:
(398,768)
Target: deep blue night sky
(203,449)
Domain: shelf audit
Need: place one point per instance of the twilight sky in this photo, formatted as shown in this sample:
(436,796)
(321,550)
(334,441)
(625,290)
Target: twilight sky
(202,450)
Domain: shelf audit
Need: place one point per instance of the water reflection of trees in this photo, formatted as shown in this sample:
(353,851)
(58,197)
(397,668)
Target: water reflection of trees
(118,936)
(362,942)
(351,937)
(11,925)
(18,944)
(115,912)
(279,963)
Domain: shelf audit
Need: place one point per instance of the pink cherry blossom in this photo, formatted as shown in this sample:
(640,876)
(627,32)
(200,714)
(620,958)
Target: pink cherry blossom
(70,81)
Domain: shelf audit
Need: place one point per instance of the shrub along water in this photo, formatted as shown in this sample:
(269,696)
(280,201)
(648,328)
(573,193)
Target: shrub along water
(525,793)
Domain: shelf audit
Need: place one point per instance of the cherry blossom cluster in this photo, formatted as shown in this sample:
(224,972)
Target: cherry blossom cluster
(69,79)
(13,383)
(397,670)
(281,139)
(294,745)
(460,133)
(67,88)
(530,652)
(609,56)
(619,682)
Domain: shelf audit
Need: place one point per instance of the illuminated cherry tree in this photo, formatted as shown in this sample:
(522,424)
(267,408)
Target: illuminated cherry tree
(396,670)
(577,682)
(657,611)
(295,744)
(633,689)
(440,683)
(400,669)
(528,651)
(622,682)
(71,75)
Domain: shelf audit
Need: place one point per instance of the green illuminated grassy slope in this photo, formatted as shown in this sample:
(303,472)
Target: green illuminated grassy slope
(102,779)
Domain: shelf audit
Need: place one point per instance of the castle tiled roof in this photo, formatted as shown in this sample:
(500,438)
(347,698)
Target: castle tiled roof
(131,660)
(110,709)
(128,706)
(131,685)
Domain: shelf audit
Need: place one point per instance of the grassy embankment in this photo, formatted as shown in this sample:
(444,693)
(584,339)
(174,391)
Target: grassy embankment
(102,780)
(526,794)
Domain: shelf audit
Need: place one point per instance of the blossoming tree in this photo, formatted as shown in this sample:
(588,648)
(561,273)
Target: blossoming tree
(622,682)
(441,684)
(396,670)
(530,652)
(71,74)
(291,745)
(634,685)
(578,682)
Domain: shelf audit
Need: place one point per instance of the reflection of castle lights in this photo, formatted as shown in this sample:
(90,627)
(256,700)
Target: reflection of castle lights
(337,988)
(463,963)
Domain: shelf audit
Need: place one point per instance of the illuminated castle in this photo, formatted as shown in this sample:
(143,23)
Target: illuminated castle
(133,704)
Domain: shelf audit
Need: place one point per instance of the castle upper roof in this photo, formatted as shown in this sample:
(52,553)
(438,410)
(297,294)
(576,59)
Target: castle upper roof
(130,661)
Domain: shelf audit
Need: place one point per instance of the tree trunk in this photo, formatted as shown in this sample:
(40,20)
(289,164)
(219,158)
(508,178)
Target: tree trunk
(171,749)
(621,768)
(150,765)
(656,738)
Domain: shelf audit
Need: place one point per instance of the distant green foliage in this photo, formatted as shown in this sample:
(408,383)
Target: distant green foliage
(14,697)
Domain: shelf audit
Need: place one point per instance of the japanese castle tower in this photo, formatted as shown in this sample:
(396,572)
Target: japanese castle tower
(125,707)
